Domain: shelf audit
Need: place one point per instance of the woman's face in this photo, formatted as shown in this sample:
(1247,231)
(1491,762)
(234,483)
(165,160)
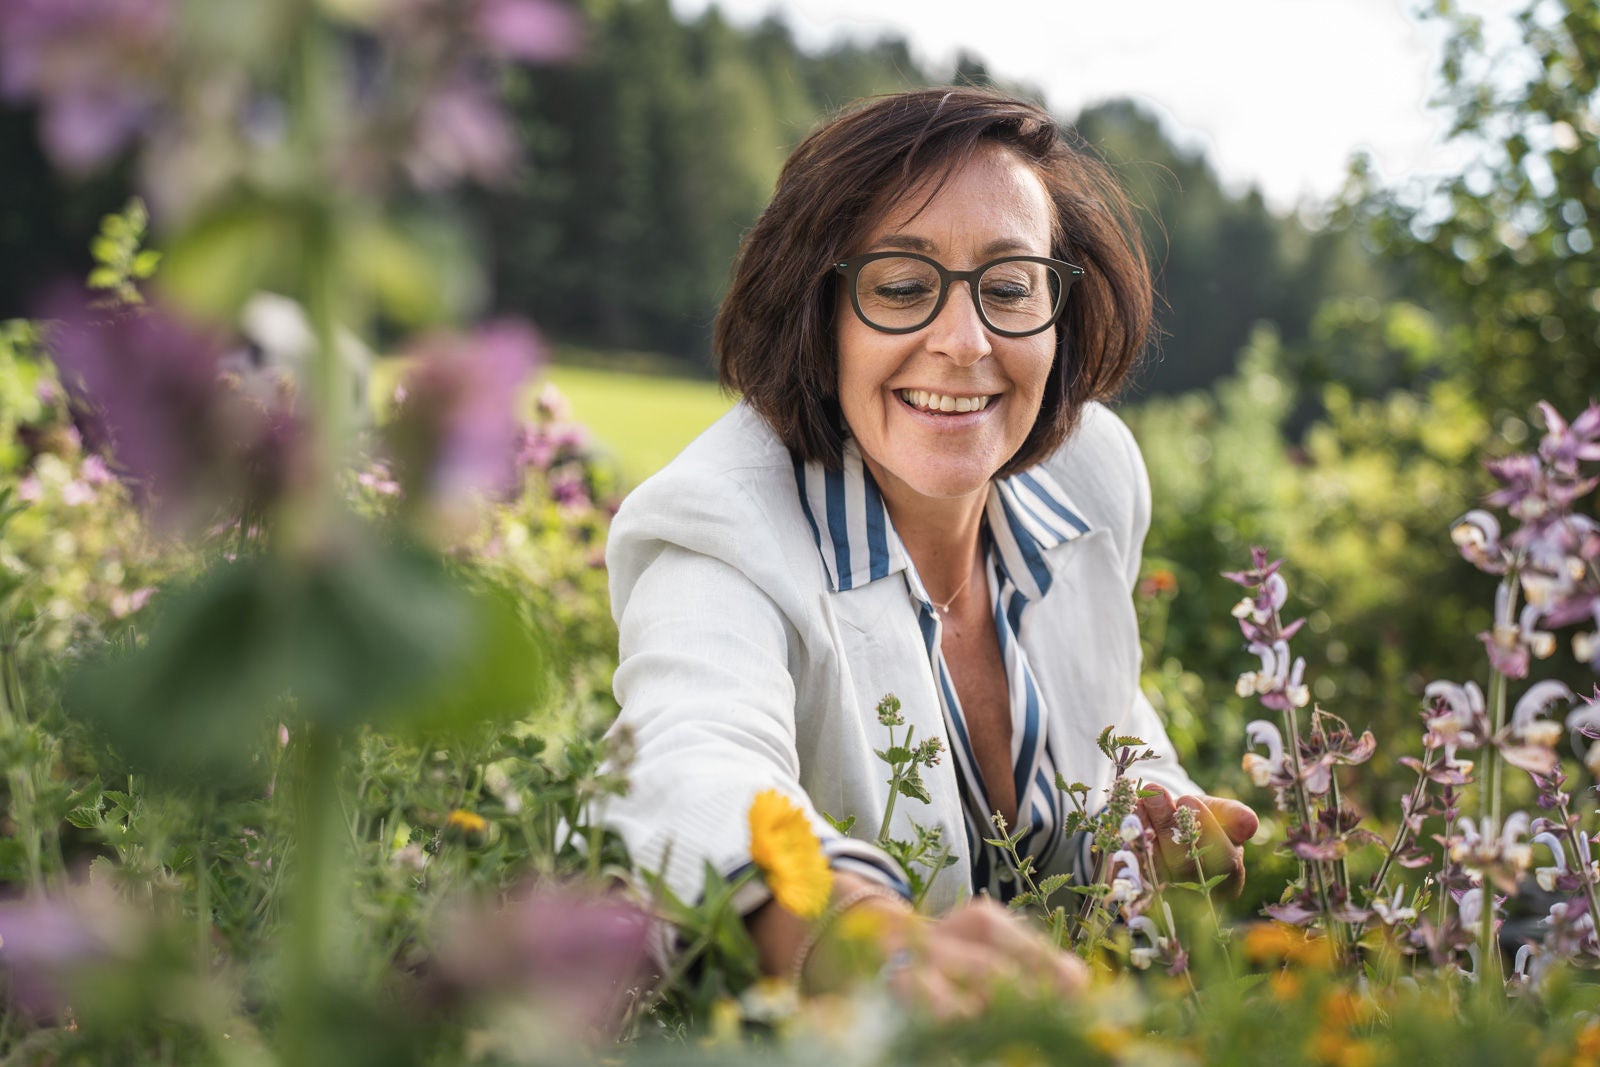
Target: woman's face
(888,383)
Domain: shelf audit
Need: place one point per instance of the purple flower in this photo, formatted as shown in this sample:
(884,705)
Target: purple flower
(536,31)
(461,132)
(93,67)
(44,940)
(457,432)
(575,954)
(568,487)
(1477,535)
(1564,446)
(148,386)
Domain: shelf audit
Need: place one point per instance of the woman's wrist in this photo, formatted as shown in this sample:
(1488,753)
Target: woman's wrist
(865,924)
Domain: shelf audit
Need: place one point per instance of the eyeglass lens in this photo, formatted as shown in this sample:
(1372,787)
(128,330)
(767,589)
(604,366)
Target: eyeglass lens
(898,292)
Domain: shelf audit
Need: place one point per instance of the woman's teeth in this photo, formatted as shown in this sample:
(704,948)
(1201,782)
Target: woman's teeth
(921,398)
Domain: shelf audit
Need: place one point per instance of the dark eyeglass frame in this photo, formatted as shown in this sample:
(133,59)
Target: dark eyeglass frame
(851,269)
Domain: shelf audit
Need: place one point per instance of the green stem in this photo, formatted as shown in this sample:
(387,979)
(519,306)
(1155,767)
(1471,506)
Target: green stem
(1403,835)
(1496,768)
(897,773)
(20,779)
(311,935)
(1491,986)
(1580,856)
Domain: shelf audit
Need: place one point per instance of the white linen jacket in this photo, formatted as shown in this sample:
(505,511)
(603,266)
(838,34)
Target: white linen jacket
(744,668)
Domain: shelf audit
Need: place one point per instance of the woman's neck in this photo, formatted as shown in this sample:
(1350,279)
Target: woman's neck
(941,536)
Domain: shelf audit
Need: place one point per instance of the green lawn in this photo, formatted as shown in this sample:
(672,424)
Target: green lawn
(641,420)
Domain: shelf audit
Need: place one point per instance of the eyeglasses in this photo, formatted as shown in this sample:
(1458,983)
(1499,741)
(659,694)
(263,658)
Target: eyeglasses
(901,292)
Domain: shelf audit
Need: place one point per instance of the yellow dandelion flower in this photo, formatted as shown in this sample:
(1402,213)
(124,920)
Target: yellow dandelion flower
(789,856)
(468,822)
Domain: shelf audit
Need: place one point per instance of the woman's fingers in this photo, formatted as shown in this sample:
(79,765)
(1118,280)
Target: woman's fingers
(989,924)
(1238,820)
(1224,825)
(960,961)
(1219,851)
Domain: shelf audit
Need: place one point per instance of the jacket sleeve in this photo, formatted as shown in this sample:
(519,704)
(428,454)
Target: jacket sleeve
(706,684)
(1132,525)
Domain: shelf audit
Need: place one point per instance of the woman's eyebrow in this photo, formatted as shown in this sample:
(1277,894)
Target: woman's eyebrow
(911,243)
(906,242)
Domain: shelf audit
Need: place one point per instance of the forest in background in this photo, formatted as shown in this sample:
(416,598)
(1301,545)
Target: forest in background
(647,157)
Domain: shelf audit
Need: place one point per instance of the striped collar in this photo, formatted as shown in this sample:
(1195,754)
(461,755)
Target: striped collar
(1028,514)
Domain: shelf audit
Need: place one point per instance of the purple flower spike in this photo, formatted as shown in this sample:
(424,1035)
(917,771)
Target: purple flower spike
(150,385)
(575,954)
(536,31)
(462,132)
(44,940)
(457,433)
(1563,447)
(91,65)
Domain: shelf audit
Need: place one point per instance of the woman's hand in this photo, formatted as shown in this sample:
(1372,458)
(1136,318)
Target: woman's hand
(951,966)
(1225,825)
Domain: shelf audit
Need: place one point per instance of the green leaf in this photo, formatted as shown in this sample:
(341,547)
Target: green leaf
(145,263)
(372,632)
(104,278)
(122,800)
(1022,900)
(844,826)
(105,250)
(85,818)
(1127,741)
(1053,884)
(915,790)
(896,755)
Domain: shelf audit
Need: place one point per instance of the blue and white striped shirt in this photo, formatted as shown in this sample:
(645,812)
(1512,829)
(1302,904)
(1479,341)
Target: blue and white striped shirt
(1026,514)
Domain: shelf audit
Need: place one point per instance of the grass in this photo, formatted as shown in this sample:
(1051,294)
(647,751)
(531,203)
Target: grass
(640,420)
(639,414)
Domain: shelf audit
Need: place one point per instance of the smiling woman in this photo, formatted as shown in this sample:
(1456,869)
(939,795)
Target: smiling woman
(920,494)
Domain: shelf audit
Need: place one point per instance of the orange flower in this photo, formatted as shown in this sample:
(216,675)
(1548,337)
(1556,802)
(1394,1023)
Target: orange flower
(789,856)
(468,822)
(1279,941)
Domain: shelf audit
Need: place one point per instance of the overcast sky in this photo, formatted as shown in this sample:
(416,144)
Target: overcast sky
(1279,93)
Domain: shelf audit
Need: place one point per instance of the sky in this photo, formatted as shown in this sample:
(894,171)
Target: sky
(1277,93)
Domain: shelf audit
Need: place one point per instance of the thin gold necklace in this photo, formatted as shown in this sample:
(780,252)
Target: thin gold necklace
(944,609)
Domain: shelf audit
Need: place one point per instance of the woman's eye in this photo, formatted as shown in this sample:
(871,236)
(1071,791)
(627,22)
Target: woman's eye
(1006,292)
(902,291)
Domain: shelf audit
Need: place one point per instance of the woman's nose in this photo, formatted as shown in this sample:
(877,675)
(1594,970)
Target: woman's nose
(957,331)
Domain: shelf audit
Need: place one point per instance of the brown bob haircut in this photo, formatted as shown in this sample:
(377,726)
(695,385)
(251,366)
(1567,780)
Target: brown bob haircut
(774,338)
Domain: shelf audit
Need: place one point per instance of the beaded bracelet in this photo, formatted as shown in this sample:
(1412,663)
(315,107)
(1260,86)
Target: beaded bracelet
(820,928)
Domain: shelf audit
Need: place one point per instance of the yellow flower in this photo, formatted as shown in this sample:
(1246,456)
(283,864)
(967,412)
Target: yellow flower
(468,822)
(784,847)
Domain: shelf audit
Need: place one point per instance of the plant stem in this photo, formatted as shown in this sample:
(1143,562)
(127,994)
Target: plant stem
(897,773)
(1495,771)
(1401,837)
(20,778)
(311,935)
(1580,855)
(1303,803)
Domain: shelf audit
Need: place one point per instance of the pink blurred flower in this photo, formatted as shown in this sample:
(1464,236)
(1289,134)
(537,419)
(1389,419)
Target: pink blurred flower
(147,385)
(93,66)
(457,433)
(536,31)
(461,132)
(44,940)
(576,954)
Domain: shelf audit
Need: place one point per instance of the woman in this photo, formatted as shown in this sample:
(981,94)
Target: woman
(920,494)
